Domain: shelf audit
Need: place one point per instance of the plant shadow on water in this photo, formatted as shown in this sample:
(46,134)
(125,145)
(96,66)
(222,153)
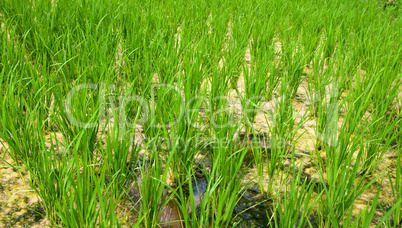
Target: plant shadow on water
(170,215)
(253,209)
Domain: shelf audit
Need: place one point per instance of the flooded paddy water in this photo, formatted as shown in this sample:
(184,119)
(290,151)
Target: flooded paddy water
(321,81)
(21,207)
(254,208)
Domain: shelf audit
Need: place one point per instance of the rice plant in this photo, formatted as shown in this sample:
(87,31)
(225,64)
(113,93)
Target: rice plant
(108,102)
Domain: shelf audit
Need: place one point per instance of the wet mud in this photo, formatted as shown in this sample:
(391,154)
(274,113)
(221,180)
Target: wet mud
(253,209)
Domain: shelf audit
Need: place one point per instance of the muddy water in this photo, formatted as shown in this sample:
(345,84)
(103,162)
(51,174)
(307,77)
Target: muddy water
(199,185)
(251,210)
(17,205)
(170,216)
